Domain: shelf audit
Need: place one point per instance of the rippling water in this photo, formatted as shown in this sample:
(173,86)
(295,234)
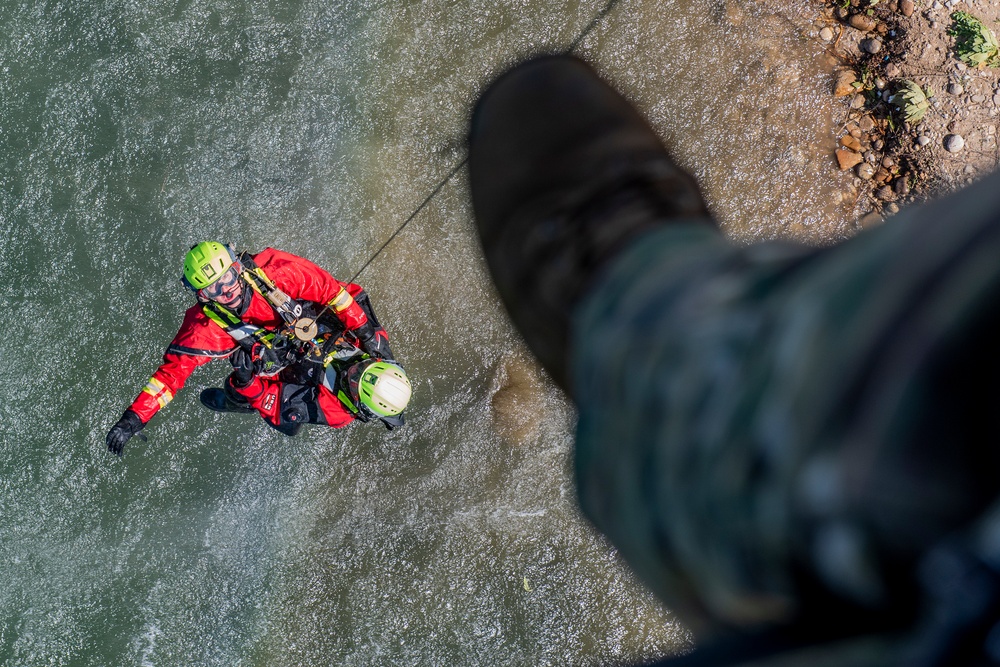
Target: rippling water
(132,129)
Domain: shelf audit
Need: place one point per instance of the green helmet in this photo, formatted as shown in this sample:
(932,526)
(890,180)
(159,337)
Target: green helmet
(384,389)
(205,263)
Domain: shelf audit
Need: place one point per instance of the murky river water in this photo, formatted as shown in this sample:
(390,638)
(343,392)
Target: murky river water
(130,129)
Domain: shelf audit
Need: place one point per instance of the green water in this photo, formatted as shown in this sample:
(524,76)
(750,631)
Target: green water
(130,130)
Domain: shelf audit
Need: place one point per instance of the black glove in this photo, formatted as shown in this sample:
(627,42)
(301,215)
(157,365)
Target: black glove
(376,346)
(266,360)
(260,360)
(122,432)
(243,370)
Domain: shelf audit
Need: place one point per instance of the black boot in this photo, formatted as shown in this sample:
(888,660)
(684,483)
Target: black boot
(221,400)
(564,174)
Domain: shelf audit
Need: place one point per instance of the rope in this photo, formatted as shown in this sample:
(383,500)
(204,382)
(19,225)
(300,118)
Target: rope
(608,6)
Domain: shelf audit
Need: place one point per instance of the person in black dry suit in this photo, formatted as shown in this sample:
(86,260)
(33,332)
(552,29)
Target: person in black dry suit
(796,448)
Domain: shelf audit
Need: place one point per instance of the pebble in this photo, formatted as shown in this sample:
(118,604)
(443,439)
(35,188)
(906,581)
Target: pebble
(953,143)
(978,99)
(955,88)
(885,193)
(872,45)
(847,141)
(843,85)
(858,101)
(996,99)
(862,22)
(865,171)
(892,207)
(888,162)
(866,124)
(847,159)
(826,34)
(892,71)
(906,7)
(901,186)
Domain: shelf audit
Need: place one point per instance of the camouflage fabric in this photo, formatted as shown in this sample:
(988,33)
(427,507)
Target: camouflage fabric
(776,420)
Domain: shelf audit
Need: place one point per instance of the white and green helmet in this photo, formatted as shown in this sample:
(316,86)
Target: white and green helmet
(384,389)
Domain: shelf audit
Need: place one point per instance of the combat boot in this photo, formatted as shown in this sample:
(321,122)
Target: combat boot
(564,174)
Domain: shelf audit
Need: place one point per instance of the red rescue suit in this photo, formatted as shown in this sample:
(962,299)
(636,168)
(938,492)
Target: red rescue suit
(288,406)
(199,339)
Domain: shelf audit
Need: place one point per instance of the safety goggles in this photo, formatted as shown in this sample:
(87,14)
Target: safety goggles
(222,287)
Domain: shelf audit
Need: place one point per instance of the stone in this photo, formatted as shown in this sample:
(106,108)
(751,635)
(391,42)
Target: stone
(901,186)
(906,7)
(955,89)
(862,22)
(882,175)
(892,70)
(866,124)
(888,162)
(865,171)
(843,85)
(953,143)
(847,158)
(826,34)
(872,45)
(885,193)
(923,140)
(858,101)
(847,141)
(871,220)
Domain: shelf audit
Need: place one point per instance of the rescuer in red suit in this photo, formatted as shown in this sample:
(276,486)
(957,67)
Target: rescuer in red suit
(243,300)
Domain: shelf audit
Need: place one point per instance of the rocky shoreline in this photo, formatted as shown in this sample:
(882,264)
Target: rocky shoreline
(887,51)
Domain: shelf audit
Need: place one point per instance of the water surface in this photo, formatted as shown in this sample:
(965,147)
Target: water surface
(132,129)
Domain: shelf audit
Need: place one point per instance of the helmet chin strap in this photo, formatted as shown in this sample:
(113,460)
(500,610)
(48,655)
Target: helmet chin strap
(244,300)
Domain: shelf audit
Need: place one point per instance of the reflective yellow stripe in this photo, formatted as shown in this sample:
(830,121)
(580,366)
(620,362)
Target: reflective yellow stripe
(342,301)
(159,391)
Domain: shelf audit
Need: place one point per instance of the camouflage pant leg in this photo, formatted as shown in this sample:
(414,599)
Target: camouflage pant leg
(775,409)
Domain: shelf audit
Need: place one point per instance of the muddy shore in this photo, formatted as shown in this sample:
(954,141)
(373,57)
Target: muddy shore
(881,48)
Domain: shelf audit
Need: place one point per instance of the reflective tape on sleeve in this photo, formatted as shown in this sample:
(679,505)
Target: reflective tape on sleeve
(342,301)
(159,391)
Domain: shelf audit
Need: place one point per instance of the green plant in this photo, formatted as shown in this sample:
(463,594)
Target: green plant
(911,100)
(975,44)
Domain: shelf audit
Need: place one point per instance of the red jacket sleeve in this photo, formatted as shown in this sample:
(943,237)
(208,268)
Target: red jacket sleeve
(198,341)
(301,279)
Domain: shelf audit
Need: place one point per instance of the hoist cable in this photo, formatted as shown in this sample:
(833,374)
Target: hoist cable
(572,47)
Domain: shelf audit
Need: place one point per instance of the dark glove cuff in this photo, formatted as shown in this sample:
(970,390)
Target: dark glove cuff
(240,381)
(132,421)
(365,332)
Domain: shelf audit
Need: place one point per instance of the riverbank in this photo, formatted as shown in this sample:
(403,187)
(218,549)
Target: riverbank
(884,51)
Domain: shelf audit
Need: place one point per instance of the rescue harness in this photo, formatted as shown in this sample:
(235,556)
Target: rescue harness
(310,348)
